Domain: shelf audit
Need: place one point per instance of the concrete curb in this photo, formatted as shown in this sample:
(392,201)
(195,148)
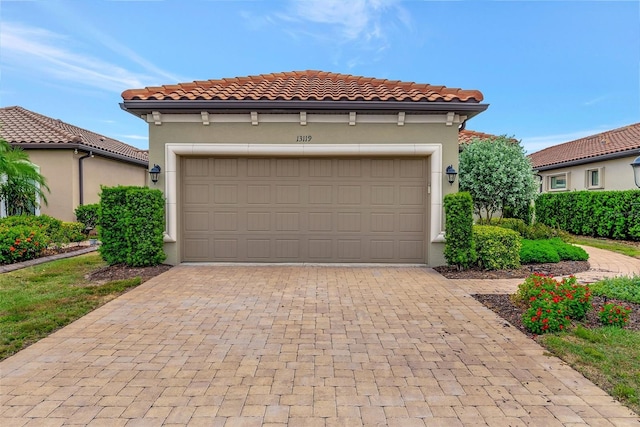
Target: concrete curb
(32,262)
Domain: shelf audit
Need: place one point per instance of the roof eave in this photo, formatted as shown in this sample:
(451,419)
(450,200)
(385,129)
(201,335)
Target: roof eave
(140,107)
(586,160)
(85,148)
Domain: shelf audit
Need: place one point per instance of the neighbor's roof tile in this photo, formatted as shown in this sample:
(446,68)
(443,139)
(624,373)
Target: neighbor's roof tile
(613,141)
(19,126)
(307,85)
(466,136)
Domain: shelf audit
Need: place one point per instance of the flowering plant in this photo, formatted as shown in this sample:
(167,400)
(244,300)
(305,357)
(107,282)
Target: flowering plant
(551,303)
(614,315)
(20,243)
(546,316)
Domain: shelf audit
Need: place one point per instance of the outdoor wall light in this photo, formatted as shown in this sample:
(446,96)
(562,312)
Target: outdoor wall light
(636,171)
(451,174)
(153,173)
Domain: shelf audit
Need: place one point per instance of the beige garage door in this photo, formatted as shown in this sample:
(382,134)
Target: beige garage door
(304,210)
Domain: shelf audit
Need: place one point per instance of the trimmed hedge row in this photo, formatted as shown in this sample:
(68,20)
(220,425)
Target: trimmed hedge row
(131,226)
(610,214)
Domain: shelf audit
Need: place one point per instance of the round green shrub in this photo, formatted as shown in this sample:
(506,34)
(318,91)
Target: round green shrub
(538,251)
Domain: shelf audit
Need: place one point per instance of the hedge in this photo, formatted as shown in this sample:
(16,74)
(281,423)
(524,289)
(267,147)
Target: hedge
(496,248)
(459,246)
(131,226)
(609,214)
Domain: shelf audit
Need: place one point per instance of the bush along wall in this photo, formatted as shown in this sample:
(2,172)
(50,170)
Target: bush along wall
(610,214)
(131,223)
(459,245)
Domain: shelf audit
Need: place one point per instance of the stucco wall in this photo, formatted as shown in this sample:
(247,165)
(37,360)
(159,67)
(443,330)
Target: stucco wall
(616,174)
(288,133)
(60,167)
(103,171)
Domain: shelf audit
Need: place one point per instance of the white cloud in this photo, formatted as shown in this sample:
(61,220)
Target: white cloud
(363,22)
(37,50)
(137,137)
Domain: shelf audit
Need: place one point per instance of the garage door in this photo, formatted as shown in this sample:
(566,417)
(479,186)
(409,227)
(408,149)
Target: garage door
(303,210)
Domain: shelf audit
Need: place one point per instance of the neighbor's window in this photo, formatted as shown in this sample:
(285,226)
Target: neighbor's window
(595,178)
(558,182)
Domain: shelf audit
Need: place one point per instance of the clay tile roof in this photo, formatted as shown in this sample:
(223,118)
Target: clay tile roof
(19,126)
(466,136)
(610,142)
(310,85)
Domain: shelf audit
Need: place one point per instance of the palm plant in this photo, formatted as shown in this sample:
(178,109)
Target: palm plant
(21,184)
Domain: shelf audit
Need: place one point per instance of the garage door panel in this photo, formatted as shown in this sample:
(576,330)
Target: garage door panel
(320,194)
(287,221)
(287,194)
(300,210)
(259,249)
(258,221)
(225,167)
(196,249)
(349,194)
(225,194)
(382,250)
(225,248)
(258,194)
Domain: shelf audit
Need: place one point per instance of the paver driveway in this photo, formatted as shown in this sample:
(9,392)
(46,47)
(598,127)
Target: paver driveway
(301,345)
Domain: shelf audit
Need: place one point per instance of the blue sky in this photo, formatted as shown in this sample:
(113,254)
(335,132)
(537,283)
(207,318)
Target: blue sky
(552,71)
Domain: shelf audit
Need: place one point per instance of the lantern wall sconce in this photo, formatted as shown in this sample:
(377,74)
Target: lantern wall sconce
(451,174)
(636,171)
(154,172)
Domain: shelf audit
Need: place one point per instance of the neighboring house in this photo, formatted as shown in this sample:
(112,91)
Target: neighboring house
(75,161)
(597,162)
(305,166)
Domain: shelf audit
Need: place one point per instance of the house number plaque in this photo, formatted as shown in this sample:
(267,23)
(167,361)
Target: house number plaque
(303,138)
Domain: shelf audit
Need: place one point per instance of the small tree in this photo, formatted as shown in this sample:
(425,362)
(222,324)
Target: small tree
(21,184)
(498,174)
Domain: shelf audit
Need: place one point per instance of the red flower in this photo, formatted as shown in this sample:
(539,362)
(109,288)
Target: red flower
(12,249)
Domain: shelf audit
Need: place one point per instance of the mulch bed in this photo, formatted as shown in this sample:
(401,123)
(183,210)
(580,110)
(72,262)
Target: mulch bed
(122,271)
(502,305)
(562,268)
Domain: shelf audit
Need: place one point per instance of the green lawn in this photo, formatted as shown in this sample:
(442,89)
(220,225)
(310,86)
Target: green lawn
(610,357)
(38,300)
(626,248)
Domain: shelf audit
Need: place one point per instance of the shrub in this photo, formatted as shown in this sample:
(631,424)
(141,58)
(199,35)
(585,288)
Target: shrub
(459,246)
(536,231)
(538,251)
(131,226)
(88,215)
(69,232)
(551,303)
(539,231)
(20,243)
(568,252)
(614,315)
(496,248)
(514,224)
(551,250)
(622,288)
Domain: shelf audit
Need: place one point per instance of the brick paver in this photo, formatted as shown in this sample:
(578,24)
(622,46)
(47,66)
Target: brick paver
(296,345)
